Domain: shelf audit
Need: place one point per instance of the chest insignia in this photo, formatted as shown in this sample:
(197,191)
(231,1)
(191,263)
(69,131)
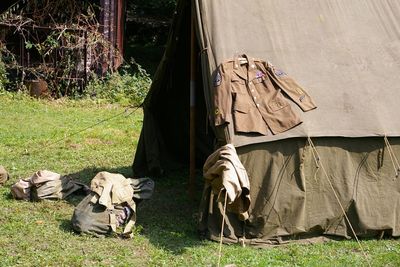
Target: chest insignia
(259,74)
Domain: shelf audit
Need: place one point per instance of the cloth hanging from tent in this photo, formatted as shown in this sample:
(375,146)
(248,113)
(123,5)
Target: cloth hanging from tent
(256,95)
(223,171)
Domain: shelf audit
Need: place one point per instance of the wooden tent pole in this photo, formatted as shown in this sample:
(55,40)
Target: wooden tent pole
(192,167)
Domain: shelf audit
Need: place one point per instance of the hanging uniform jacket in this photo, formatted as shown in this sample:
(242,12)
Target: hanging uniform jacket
(256,96)
(224,171)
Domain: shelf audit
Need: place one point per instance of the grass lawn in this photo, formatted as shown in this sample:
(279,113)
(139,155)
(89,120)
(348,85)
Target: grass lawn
(40,234)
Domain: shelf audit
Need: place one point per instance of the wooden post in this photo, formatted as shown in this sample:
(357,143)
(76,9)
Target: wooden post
(85,61)
(192,167)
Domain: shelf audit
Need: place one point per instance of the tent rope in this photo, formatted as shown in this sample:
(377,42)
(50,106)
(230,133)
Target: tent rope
(222,230)
(316,156)
(393,158)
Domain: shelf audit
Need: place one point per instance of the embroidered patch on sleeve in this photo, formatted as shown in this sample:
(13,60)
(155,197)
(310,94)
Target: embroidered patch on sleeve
(218,79)
(279,72)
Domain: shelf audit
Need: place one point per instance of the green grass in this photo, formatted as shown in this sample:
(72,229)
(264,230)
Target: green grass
(40,234)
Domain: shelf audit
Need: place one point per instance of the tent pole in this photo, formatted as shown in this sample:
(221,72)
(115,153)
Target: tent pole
(192,168)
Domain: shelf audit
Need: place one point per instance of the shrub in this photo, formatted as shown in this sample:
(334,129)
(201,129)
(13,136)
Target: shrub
(126,87)
(3,76)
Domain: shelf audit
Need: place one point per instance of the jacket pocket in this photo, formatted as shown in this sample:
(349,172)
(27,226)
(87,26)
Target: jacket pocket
(258,80)
(238,81)
(241,105)
(247,119)
(278,103)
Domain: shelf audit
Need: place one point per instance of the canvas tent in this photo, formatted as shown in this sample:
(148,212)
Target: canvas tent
(345,153)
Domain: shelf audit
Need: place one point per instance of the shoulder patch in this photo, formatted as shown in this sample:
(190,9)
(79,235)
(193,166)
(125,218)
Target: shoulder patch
(217,79)
(279,72)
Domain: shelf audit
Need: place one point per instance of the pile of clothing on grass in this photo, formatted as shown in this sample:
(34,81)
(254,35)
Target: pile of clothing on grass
(108,208)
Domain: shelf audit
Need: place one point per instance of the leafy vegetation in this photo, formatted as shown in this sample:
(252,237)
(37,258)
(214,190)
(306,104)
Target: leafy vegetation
(39,134)
(122,87)
(67,49)
(3,77)
(59,42)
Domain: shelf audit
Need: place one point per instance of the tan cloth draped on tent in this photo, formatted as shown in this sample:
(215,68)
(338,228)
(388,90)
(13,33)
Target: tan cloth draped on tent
(224,172)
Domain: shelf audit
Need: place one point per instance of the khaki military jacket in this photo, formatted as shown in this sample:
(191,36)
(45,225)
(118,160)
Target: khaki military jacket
(112,188)
(223,170)
(255,95)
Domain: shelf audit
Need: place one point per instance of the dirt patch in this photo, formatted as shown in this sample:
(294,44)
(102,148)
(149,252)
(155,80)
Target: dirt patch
(96,141)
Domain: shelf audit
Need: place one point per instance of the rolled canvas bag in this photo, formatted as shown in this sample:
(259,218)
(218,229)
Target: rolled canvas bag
(143,188)
(21,190)
(50,185)
(46,185)
(111,208)
(3,175)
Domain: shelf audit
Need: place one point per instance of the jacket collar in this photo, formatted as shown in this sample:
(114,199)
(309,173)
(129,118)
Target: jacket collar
(245,72)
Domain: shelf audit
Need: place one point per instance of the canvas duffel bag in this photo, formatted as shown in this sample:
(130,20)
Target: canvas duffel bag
(111,208)
(46,185)
(3,175)
(91,217)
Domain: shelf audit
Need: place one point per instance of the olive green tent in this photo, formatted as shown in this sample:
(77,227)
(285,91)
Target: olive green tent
(343,157)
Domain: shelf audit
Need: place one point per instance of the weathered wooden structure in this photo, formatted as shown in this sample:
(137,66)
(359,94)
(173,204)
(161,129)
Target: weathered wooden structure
(62,47)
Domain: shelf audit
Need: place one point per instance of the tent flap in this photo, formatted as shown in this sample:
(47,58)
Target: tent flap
(292,198)
(345,53)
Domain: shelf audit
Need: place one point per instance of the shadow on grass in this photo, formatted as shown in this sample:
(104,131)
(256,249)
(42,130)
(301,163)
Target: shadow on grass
(168,219)
(7,195)
(66,225)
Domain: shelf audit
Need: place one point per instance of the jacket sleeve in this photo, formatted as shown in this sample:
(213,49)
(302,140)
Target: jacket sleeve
(292,89)
(222,96)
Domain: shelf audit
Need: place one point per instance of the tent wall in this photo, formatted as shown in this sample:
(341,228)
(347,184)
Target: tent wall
(345,53)
(292,199)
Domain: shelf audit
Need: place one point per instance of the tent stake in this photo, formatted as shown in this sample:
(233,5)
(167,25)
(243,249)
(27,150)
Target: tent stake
(192,167)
